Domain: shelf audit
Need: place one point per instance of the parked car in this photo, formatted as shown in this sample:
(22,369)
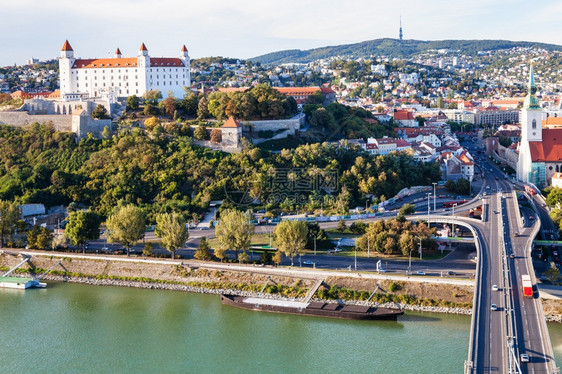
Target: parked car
(494,307)
(495,287)
(419,272)
(524,357)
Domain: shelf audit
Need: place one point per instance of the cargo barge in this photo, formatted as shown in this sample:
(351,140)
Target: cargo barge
(318,309)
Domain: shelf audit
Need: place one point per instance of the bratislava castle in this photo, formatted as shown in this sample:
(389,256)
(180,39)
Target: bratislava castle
(122,76)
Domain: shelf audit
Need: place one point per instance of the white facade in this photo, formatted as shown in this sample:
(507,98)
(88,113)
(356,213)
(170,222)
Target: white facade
(122,76)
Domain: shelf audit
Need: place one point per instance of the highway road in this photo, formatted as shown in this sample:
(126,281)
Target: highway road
(518,325)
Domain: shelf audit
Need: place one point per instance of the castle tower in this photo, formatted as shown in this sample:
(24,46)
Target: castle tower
(184,56)
(531,114)
(66,61)
(118,53)
(400,28)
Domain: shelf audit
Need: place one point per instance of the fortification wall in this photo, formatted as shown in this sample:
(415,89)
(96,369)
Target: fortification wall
(61,122)
(292,125)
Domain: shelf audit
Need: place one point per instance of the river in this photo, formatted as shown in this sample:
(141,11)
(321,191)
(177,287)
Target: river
(74,328)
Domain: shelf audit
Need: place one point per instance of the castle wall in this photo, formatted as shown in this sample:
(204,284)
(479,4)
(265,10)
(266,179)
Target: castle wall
(292,125)
(61,122)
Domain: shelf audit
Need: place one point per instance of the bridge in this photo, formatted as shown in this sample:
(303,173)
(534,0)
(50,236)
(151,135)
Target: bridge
(516,324)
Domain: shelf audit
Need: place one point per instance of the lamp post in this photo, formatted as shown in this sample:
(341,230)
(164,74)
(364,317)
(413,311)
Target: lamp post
(434,196)
(420,247)
(355,262)
(368,247)
(428,206)
(454,205)
(410,262)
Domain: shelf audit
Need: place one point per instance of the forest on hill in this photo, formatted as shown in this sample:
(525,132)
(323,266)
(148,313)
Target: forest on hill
(167,173)
(394,48)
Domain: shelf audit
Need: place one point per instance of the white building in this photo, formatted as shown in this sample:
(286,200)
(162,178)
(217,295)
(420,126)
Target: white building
(122,76)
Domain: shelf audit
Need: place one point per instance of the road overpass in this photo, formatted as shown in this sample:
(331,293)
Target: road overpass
(517,326)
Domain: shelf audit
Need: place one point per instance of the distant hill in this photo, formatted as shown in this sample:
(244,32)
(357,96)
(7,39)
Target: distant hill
(394,48)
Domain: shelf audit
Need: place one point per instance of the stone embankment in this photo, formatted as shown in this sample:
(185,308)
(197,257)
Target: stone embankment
(248,281)
(185,288)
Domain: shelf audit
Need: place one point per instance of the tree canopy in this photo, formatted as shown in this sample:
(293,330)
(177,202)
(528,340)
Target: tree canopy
(291,238)
(126,226)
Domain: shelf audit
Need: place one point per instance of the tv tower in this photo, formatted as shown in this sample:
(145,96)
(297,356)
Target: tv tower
(400,28)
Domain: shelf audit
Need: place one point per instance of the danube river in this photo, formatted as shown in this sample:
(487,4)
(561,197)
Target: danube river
(73,328)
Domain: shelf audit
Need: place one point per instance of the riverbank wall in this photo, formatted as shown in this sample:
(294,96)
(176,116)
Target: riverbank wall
(193,276)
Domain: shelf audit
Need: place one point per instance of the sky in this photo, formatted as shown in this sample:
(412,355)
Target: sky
(249,28)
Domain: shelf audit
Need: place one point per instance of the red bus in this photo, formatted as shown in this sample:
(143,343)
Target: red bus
(527,285)
(449,204)
(530,190)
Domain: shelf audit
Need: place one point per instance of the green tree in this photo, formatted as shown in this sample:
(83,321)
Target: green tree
(200,133)
(202,108)
(189,104)
(323,118)
(100,112)
(9,217)
(105,133)
(203,252)
(290,238)
(341,226)
(358,227)
(278,258)
(133,102)
(83,225)
(39,237)
(554,197)
(243,257)
(172,229)
(234,230)
(342,201)
(407,209)
(151,123)
(152,96)
(125,226)
(220,253)
(407,243)
(552,273)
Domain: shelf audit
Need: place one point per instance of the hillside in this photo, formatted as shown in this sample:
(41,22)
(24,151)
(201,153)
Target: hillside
(395,48)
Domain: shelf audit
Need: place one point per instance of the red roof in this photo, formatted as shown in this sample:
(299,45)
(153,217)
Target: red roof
(550,149)
(117,52)
(402,115)
(232,123)
(66,46)
(125,62)
(88,63)
(552,121)
(143,47)
(183,49)
(165,61)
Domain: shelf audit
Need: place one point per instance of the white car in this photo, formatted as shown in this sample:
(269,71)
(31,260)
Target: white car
(524,357)
(494,307)
(419,272)
(495,287)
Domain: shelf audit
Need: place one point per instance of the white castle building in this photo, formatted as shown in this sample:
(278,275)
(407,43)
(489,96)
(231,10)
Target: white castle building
(120,77)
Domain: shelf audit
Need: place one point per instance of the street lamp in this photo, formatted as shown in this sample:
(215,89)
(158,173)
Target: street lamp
(428,206)
(420,247)
(454,205)
(434,196)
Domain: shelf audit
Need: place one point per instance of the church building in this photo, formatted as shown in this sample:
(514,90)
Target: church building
(120,77)
(540,150)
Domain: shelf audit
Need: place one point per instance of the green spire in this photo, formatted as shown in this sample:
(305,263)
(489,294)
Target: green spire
(531,101)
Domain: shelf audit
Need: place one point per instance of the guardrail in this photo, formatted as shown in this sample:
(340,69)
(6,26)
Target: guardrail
(536,228)
(472,353)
